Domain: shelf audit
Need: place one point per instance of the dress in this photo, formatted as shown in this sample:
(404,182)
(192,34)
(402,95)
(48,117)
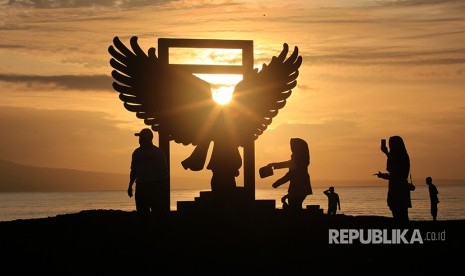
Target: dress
(398,167)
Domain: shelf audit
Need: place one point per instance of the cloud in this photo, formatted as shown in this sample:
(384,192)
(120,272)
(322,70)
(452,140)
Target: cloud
(48,4)
(418,2)
(56,4)
(13,27)
(73,82)
(92,18)
(364,55)
(431,35)
(11,46)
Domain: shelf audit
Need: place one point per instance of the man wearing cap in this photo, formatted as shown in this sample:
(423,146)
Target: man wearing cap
(149,171)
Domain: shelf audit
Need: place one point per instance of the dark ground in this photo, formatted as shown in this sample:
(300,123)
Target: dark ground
(115,242)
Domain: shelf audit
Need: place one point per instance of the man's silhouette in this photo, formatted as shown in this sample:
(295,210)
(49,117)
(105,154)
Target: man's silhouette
(433,195)
(333,201)
(149,171)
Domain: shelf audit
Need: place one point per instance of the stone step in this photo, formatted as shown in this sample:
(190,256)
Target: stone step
(314,209)
(218,205)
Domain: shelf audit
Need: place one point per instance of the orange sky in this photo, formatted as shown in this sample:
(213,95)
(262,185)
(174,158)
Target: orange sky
(371,69)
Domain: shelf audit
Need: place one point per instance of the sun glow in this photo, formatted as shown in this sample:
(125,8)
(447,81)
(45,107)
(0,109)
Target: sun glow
(222,86)
(223,95)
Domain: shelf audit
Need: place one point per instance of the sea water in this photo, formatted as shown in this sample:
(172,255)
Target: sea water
(354,201)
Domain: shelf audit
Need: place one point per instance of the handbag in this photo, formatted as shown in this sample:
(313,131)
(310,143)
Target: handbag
(410,184)
(266,171)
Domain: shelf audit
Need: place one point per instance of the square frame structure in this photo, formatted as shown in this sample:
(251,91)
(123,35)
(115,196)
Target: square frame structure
(164,44)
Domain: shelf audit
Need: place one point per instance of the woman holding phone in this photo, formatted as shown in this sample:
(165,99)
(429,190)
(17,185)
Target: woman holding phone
(398,168)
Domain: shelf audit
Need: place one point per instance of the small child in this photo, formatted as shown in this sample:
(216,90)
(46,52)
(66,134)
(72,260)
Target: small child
(284,201)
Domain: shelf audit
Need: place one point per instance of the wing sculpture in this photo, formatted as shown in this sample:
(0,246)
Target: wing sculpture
(181,105)
(175,102)
(260,95)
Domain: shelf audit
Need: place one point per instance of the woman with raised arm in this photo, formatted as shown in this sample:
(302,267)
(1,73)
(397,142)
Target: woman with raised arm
(398,167)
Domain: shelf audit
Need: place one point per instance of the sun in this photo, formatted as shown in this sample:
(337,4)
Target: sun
(222,86)
(222,95)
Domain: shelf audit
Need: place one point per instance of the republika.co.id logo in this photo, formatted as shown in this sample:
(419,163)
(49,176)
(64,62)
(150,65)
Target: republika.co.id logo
(383,236)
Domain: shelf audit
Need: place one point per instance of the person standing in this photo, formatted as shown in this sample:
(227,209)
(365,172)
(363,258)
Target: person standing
(297,176)
(433,195)
(149,170)
(333,201)
(398,167)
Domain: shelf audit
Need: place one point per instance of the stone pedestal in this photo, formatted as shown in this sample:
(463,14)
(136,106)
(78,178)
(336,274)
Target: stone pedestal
(237,200)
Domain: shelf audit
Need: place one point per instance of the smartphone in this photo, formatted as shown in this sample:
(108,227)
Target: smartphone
(383,143)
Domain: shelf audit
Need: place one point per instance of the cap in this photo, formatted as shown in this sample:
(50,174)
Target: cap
(146,132)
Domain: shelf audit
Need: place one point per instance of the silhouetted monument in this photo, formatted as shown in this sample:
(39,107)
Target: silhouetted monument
(179,105)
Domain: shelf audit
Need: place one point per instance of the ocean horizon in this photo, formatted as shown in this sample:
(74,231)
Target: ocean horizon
(355,200)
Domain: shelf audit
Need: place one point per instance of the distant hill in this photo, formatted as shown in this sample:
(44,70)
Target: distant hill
(22,178)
